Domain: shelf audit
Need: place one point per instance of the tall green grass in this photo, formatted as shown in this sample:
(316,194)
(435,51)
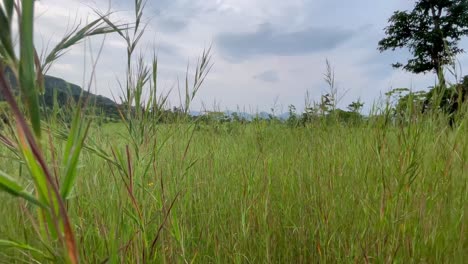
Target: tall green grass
(268,193)
(43,187)
(139,191)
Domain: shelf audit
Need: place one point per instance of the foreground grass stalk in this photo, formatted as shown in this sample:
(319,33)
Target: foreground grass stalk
(26,141)
(29,146)
(26,70)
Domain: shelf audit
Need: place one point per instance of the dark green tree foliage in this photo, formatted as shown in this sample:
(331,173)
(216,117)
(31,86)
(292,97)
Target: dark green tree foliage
(449,100)
(431,32)
(292,120)
(356,106)
(346,117)
(406,104)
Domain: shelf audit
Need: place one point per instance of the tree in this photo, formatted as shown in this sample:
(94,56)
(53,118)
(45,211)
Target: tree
(292,118)
(356,106)
(449,100)
(431,31)
(327,103)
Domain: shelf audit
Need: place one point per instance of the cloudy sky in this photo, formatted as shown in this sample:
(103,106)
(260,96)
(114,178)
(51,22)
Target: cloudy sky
(266,53)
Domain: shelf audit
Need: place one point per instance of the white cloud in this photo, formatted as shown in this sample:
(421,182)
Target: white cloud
(180,29)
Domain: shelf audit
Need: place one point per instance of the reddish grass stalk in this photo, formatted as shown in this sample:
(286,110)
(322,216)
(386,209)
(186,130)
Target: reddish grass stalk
(24,129)
(166,217)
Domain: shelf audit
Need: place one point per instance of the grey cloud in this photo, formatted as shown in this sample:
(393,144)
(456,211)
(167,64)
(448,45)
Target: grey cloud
(379,64)
(267,41)
(167,15)
(175,15)
(268,76)
(155,6)
(168,49)
(171,24)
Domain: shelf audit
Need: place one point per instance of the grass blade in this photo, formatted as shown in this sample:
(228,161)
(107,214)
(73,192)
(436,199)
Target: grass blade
(6,46)
(21,246)
(29,144)
(72,154)
(26,72)
(9,185)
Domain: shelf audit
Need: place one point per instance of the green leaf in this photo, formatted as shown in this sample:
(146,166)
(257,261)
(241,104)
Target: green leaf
(7,50)
(21,246)
(37,173)
(134,218)
(72,152)
(26,73)
(99,26)
(9,185)
(9,4)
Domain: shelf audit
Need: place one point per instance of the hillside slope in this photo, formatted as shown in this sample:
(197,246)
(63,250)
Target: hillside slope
(65,92)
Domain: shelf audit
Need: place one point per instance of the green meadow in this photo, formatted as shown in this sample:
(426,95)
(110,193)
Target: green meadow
(84,179)
(266,192)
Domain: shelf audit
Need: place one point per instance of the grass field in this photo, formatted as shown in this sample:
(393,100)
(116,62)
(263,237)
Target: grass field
(159,186)
(267,193)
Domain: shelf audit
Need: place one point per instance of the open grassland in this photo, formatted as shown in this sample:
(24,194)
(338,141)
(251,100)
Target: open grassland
(262,193)
(163,186)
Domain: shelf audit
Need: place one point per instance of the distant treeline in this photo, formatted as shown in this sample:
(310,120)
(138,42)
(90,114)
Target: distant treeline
(64,96)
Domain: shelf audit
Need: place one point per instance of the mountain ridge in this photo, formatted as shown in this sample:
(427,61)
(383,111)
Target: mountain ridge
(65,91)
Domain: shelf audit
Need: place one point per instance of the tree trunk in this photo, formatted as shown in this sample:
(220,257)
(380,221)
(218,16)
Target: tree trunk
(440,74)
(438,44)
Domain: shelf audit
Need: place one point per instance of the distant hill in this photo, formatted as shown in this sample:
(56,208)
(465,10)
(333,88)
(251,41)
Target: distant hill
(65,92)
